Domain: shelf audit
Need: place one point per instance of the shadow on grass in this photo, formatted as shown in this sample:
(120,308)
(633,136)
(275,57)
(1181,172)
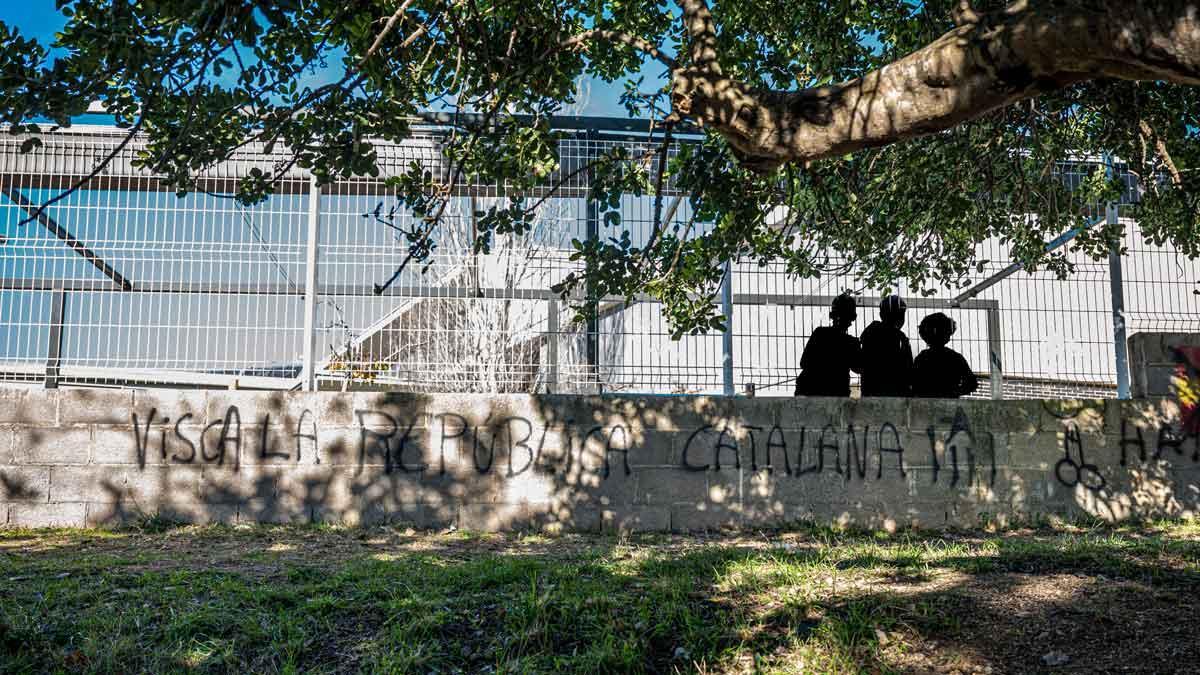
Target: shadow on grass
(838,603)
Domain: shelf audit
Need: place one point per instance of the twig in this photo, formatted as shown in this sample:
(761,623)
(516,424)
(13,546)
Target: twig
(36,213)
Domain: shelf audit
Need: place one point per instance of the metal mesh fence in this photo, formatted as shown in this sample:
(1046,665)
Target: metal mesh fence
(123,282)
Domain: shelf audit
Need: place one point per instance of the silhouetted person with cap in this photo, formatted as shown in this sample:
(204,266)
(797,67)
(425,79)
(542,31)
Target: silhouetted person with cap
(830,354)
(887,359)
(941,372)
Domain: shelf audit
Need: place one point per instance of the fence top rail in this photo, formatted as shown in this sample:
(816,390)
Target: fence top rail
(437,122)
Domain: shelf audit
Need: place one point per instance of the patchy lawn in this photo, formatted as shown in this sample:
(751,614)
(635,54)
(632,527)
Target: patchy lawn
(272,599)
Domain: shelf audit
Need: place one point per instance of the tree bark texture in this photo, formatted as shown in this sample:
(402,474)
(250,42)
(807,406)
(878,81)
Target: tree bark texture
(988,62)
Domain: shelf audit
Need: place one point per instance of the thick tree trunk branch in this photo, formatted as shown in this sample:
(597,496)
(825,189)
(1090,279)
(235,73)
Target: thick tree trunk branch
(990,62)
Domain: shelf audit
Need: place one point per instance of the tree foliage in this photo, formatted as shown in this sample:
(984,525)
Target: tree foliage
(329,80)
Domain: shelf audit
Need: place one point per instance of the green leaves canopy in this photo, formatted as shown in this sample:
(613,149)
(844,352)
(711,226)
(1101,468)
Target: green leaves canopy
(328,80)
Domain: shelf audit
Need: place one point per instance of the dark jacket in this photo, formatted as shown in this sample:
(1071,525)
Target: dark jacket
(941,372)
(829,356)
(887,361)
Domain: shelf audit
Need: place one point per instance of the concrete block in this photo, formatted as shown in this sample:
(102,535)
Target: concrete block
(171,405)
(926,485)
(277,408)
(584,487)
(875,412)
(1043,450)
(120,445)
(401,408)
(334,409)
(109,515)
(339,447)
(704,517)
(1161,380)
(647,448)
(496,517)
(667,486)
(104,484)
(554,450)
(112,514)
(559,516)
(24,483)
(273,510)
(223,485)
(278,445)
(44,445)
(724,486)
(26,405)
(422,516)
(812,413)
(94,406)
(710,447)
(1004,416)
(1145,347)
(688,413)
(944,415)
(56,514)
(637,414)
(7,434)
(157,485)
(636,519)
(376,488)
(1087,415)
(317,486)
(763,489)
(1150,415)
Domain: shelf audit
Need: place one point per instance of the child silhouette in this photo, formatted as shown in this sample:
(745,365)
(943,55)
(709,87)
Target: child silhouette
(830,354)
(887,356)
(941,372)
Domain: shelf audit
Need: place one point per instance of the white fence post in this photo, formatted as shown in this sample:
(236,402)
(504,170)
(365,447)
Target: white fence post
(995,360)
(1117,289)
(727,337)
(308,374)
(58,304)
(551,346)
(1116,285)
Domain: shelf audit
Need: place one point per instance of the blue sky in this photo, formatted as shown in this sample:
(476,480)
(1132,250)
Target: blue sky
(38,18)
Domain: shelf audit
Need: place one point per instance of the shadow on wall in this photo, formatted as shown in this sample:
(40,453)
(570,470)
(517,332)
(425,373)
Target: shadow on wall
(93,457)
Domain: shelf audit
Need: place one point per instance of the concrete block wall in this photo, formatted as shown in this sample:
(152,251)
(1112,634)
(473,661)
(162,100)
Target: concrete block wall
(1152,361)
(97,457)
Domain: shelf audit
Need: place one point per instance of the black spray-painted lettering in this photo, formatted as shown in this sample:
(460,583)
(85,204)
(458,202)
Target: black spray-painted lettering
(781,443)
(723,444)
(1070,472)
(191,456)
(854,452)
(609,448)
(895,448)
(687,464)
(312,436)
(1138,442)
(265,448)
(513,444)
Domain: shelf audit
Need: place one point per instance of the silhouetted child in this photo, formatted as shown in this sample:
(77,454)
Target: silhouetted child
(886,355)
(831,353)
(941,372)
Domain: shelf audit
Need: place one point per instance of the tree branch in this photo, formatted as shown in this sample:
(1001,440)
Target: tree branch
(622,38)
(1002,58)
(698,22)
(1160,146)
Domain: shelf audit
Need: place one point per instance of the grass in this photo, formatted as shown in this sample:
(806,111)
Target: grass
(320,599)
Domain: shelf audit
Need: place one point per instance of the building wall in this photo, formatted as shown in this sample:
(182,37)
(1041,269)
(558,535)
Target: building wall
(98,457)
(1153,363)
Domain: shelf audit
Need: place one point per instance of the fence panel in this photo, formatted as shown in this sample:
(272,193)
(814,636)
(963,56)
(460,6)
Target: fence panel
(200,291)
